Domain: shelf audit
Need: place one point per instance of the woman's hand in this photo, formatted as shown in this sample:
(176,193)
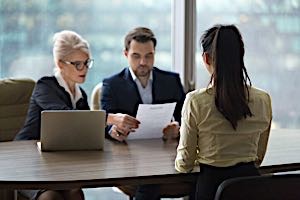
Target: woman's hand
(117,134)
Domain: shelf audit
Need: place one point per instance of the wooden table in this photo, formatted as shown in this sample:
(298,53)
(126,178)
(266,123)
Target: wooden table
(283,151)
(140,161)
(23,166)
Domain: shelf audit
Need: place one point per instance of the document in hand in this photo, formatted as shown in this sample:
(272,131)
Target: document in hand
(153,118)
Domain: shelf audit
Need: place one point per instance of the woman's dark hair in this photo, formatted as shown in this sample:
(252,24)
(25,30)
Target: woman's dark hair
(225,48)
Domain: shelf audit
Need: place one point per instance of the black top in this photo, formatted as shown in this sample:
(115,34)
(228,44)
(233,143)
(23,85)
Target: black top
(47,95)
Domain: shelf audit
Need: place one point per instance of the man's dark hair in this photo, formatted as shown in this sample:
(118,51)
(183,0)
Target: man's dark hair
(140,34)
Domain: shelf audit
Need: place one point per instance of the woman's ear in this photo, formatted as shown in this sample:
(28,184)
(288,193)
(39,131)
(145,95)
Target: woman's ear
(207,63)
(59,64)
(206,58)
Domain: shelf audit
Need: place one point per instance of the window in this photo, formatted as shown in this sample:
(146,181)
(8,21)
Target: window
(27,27)
(271,33)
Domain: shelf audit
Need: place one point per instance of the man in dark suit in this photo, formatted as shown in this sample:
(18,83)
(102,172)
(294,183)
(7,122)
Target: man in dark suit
(141,83)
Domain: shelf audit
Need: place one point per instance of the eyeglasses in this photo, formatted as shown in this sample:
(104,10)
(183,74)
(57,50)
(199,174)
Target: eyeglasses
(79,65)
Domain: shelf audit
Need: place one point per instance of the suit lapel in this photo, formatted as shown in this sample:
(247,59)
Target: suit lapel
(63,93)
(131,85)
(155,87)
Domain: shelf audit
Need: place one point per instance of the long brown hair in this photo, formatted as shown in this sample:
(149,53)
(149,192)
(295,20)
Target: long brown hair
(225,48)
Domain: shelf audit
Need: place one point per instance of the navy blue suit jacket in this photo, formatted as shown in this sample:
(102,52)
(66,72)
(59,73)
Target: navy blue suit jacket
(47,95)
(120,93)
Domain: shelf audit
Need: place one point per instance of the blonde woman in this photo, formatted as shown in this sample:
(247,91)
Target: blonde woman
(72,58)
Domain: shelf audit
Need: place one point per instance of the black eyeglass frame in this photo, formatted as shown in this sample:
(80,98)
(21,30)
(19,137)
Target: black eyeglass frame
(79,65)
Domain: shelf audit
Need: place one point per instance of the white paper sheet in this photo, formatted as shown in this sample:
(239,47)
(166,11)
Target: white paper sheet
(153,118)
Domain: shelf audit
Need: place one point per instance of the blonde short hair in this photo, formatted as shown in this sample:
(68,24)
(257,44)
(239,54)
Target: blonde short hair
(65,42)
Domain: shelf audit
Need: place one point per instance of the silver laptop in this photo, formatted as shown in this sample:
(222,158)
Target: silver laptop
(72,130)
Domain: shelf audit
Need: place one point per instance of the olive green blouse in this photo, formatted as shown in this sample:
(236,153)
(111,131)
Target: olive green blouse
(207,137)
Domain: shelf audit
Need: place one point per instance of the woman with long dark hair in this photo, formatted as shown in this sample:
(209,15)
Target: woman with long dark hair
(225,127)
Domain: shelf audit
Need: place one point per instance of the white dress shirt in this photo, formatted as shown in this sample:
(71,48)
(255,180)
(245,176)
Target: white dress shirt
(61,81)
(145,93)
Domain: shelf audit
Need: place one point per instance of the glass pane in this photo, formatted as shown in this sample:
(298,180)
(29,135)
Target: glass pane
(27,27)
(271,31)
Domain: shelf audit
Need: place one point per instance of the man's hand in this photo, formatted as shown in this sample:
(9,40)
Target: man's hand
(171,131)
(124,123)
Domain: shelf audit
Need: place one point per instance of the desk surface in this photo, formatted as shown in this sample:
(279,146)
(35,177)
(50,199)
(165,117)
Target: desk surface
(283,151)
(22,165)
(140,161)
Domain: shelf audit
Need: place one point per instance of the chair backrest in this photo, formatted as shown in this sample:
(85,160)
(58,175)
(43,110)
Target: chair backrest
(266,187)
(96,96)
(14,101)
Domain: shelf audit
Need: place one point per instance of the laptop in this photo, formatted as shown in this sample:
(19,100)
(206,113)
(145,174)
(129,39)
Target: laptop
(72,130)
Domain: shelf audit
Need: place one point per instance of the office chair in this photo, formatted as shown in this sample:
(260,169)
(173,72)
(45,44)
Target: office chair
(96,96)
(15,96)
(265,187)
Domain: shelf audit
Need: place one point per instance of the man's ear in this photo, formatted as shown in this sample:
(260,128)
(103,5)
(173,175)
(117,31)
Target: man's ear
(206,58)
(125,53)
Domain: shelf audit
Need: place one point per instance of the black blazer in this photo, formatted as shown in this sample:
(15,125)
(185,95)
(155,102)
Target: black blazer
(120,93)
(47,95)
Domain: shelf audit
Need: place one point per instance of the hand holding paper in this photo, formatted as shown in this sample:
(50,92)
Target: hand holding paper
(153,118)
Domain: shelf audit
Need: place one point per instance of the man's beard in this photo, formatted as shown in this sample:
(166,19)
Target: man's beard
(143,71)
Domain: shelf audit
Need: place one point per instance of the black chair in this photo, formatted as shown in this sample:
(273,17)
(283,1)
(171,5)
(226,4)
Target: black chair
(266,187)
